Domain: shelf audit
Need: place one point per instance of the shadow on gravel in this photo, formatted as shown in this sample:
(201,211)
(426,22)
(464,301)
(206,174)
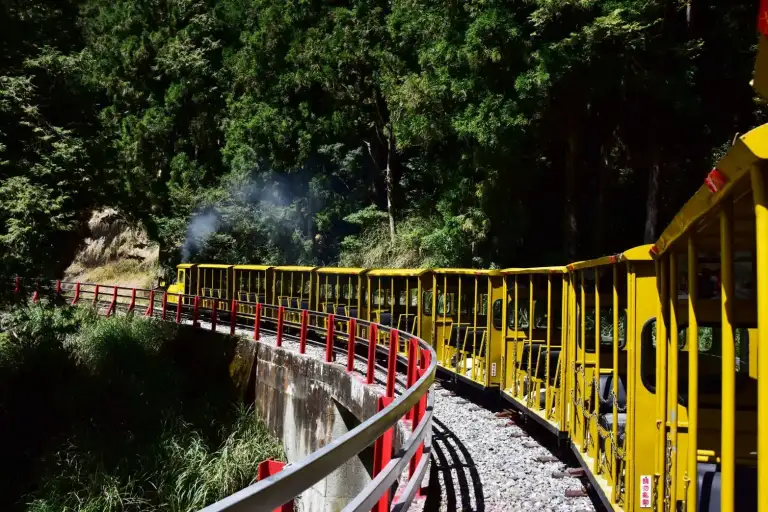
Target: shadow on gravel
(453,461)
(459,499)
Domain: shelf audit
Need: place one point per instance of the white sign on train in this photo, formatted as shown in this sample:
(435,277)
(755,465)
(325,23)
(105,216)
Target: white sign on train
(645,491)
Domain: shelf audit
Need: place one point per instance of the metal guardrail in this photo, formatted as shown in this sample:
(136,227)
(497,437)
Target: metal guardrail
(415,402)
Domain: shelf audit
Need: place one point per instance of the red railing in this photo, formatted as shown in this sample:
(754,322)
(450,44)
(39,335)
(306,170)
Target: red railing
(338,335)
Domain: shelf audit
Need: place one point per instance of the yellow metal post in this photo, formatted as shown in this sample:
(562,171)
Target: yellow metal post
(693,377)
(583,365)
(672,378)
(728,428)
(615,346)
(661,381)
(514,344)
(445,325)
(761,262)
(547,398)
(596,377)
(530,340)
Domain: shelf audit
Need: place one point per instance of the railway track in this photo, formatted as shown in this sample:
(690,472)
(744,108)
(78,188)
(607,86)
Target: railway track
(480,461)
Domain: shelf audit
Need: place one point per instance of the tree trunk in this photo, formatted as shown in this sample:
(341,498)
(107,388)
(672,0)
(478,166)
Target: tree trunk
(602,193)
(390,183)
(652,201)
(571,227)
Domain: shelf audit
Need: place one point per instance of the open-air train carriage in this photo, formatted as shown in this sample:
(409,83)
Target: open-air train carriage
(293,286)
(394,298)
(251,287)
(341,291)
(464,311)
(703,354)
(531,317)
(214,282)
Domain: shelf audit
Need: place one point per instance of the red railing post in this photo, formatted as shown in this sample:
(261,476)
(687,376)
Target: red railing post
(280,315)
(17,289)
(420,409)
(77,294)
(151,306)
(392,362)
(58,287)
(213,313)
(329,338)
(36,295)
(373,336)
(133,300)
(256,322)
(352,328)
(382,454)
(303,332)
(196,311)
(95,296)
(164,306)
(232,317)
(268,468)
(112,305)
(413,354)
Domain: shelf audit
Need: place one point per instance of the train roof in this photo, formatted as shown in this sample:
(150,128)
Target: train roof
(467,271)
(253,267)
(397,272)
(534,270)
(342,270)
(186,265)
(213,265)
(748,151)
(294,268)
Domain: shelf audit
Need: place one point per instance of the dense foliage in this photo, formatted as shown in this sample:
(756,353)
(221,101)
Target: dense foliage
(118,414)
(366,132)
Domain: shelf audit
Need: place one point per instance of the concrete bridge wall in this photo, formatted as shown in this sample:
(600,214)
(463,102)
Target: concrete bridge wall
(307,403)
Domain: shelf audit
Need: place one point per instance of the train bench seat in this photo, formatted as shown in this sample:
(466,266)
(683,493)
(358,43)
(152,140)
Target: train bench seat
(605,397)
(474,341)
(709,487)
(247,297)
(540,357)
(407,323)
(458,331)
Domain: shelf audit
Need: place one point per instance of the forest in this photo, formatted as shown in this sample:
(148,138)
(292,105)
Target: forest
(481,133)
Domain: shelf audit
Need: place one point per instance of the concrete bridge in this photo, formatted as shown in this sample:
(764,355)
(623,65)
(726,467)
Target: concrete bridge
(353,415)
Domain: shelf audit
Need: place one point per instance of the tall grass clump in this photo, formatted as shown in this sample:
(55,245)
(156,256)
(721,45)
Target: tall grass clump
(119,414)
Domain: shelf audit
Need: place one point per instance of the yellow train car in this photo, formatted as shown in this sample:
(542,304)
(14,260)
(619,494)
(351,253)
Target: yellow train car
(393,297)
(712,265)
(185,284)
(215,283)
(464,322)
(293,286)
(340,291)
(251,287)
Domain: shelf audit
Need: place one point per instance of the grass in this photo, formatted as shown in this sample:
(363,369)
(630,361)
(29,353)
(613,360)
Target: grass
(125,272)
(119,414)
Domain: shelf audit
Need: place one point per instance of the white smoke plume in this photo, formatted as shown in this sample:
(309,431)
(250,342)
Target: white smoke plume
(199,230)
(269,206)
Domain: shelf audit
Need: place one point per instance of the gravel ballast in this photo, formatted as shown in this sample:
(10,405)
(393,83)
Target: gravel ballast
(479,461)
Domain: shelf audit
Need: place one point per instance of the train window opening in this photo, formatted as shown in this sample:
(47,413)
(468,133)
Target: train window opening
(606,328)
(426,301)
(497,313)
(710,358)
